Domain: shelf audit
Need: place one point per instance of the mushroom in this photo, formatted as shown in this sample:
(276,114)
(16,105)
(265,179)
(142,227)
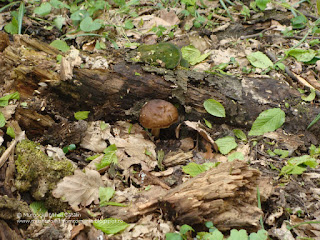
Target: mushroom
(156,114)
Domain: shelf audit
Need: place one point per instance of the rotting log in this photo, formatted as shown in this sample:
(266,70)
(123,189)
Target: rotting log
(119,93)
(225,195)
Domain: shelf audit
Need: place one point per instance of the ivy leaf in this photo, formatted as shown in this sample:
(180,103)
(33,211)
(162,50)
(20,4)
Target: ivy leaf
(59,21)
(60,45)
(259,60)
(88,25)
(214,108)
(44,9)
(236,235)
(267,121)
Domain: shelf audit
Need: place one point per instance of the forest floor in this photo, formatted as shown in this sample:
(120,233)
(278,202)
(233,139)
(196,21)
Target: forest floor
(70,171)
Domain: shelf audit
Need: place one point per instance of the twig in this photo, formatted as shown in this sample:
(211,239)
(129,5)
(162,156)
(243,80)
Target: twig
(7,153)
(257,34)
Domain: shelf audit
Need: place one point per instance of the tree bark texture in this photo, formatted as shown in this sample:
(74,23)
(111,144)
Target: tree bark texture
(225,195)
(119,93)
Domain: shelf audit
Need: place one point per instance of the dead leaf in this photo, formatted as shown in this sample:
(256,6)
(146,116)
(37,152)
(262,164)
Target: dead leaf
(200,129)
(81,188)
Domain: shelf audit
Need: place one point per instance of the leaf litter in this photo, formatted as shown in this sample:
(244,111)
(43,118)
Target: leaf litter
(135,148)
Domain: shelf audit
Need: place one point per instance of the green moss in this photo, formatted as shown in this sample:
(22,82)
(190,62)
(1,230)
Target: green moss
(36,172)
(11,208)
(166,54)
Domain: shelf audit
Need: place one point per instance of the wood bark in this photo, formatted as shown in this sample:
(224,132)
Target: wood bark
(225,195)
(120,92)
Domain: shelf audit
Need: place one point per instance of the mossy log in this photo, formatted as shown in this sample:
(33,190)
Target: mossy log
(119,92)
(225,195)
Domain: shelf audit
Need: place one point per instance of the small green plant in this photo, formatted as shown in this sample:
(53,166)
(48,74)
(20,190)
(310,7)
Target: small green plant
(109,157)
(69,148)
(81,115)
(297,165)
(214,234)
(105,194)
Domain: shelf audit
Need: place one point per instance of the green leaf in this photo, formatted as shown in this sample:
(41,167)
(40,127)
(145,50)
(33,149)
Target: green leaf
(20,16)
(235,155)
(2,120)
(259,60)
(240,134)
(79,15)
(238,235)
(214,108)
(109,157)
(310,97)
(128,24)
(173,236)
(260,235)
(298,165)
(4,101)
(194,169)
(193,55)
(10,132)
(43,9)
(185,228)
(59,21)
(92,157)
(262,4)
(302,55)
(58,4)
(105,194)
(110,225)
(281,153)
(215,235)
(88,25)
(316,119)
(299,22)
(12,27)
(60,45)
(267,121)
(81,115)
(208,124)
(38,208)
(226,144)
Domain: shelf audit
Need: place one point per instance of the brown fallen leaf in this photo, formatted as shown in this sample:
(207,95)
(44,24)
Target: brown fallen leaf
(81,188)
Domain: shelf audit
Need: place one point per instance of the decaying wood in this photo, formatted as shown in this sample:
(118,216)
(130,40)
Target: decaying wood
(225,195)
(120,92)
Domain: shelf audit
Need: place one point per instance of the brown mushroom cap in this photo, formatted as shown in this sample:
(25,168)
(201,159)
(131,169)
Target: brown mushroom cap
(158,113)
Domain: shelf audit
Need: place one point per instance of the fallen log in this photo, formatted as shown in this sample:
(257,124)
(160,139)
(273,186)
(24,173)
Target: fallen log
(225,195)
(119,92)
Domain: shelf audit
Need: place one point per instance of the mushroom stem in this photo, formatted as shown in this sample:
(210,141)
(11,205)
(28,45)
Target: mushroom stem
(155,132)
